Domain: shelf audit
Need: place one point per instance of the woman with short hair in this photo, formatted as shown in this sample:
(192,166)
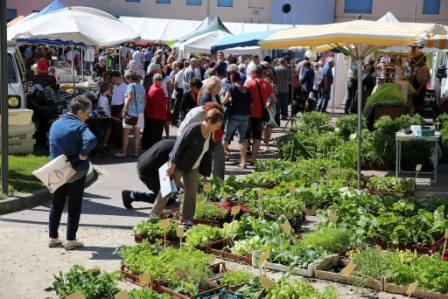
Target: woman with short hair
(70,136)
(191,156)
(210,91)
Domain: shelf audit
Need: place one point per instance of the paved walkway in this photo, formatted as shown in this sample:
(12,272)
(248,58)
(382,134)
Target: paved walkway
(27,265)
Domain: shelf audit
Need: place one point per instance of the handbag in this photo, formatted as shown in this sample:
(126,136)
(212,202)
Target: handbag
(129,119)
(55,173)
(264,112)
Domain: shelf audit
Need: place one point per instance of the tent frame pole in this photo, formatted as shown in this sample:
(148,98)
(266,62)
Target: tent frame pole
(359,136)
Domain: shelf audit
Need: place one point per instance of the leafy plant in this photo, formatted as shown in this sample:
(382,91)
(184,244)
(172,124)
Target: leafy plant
(92,283)
(387,184)
(151,230)
(185,269)
(146,294)
(329,239)
(348,124)
(208,210)
(236,278)
(202,235)
(299,289)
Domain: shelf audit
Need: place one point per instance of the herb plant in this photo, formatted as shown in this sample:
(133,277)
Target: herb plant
(202,235)
(92,283)
(236,278)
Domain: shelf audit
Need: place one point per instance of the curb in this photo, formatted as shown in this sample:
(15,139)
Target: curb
(14,204)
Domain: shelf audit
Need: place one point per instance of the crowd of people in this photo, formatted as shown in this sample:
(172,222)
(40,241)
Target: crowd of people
(211,100)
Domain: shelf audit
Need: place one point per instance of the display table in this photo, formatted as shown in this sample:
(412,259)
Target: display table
(401,137)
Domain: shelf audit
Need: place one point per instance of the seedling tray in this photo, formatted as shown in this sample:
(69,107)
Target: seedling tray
(324,271)
(419,293)
(216,248)
(420,249)
(214,223)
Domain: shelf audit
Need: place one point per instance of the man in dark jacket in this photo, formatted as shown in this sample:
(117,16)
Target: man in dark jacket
(148,165)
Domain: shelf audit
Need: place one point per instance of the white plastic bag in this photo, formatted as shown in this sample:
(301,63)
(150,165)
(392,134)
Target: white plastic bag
(55,173)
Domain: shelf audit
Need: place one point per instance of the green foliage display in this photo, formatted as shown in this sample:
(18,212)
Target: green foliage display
(146,294)
(288,289)
(151,230)
(92,283)
(208,210)
(387,184)
(403,268)
(185,269)
(236,278)
(202,235)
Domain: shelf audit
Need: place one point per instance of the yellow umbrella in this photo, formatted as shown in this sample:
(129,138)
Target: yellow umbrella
(356,39)
(354,32)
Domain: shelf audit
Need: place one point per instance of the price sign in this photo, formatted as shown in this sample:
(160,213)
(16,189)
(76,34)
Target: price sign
(145,279)
(96,270)
(207,187)
(77,295)
(287,228)
(122,295)
(378,248)
(165,223)
(235,210)
(292,189)
(446,233)
(260,193)
(264,257)
(267,283)
(333,217)
(418,167)
(180,231)
(412,288)
(348,269)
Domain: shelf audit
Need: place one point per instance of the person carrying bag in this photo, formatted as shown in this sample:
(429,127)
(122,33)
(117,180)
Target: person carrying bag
(71,141)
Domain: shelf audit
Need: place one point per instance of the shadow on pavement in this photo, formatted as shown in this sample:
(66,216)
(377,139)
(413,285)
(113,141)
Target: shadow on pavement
(101,252)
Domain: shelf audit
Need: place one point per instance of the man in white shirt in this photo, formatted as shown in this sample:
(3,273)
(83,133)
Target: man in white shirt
(252,66)
(117,103)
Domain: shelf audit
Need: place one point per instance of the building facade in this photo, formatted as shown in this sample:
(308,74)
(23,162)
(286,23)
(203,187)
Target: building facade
(303,11)
(421,11)
(255,11)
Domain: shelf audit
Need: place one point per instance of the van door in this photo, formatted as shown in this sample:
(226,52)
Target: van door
(16,91)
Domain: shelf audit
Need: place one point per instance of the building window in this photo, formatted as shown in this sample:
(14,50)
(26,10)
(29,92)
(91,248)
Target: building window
(133,1)
(11,14)
(431,7)
(358,6)
(194,2)
(225,3)
(163,1)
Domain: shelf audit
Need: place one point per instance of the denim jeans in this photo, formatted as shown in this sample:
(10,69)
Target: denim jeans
(323,101)
(74,192)
(237,123)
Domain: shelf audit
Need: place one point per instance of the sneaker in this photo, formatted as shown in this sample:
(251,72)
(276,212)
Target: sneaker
(127,200)
(54,243)
(187,224)
(73,244)
(153,216)
(120,155)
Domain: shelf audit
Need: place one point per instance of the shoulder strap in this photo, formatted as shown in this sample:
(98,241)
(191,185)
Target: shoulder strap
(260,94)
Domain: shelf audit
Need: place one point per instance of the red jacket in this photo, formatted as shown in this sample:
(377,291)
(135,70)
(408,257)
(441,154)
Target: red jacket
(156,103)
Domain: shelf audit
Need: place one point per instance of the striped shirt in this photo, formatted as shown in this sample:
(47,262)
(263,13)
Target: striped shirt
(283,75)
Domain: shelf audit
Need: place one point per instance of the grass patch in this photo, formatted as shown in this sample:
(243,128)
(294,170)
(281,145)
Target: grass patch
(21,167)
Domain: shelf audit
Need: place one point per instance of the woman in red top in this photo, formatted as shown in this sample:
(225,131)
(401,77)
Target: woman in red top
(156,110)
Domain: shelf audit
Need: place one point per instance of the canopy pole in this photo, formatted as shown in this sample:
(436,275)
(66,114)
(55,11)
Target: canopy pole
(82,63)
(358,146)
(4,97)
(73,66)
(119,61)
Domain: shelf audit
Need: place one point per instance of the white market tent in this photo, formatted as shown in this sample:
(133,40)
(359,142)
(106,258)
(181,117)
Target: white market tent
(172,29)
(78,25)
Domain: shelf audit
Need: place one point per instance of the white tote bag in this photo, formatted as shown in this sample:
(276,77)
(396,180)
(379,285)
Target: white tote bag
(55,173)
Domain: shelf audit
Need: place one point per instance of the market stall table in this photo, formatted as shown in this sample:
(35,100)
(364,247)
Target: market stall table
(401,137)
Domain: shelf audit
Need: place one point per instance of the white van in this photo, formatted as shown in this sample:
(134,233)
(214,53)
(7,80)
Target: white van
(16,79)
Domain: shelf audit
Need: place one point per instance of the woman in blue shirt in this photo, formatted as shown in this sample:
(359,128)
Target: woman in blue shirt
(70,136)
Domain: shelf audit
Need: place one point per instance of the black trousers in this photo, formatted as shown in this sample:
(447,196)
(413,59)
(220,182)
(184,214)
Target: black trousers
(74,192)
(152,185)
(152,133)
